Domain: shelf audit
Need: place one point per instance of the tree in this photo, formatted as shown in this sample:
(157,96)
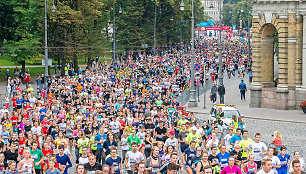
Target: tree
(236,14)
(7,21)
(25,41)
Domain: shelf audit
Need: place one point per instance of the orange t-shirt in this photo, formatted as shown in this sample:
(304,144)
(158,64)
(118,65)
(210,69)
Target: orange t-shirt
(79,87)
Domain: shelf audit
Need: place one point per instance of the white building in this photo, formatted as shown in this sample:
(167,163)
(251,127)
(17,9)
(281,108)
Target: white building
(211,8)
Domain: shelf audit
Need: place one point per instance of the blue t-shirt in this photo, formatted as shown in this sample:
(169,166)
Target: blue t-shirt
(99,137)
(56,171)
(63,160)
(8,172)
(43,112)
(114,164)
(7,134)
(107,145)
(223,159)
(190,154)
(284,161)
(236,138)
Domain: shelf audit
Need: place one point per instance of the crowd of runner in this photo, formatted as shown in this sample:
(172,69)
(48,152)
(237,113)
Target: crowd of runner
(123,117)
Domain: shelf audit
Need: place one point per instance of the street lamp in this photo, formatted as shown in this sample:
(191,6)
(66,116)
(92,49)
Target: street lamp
(192,100)
(182,7)
(53,8)
(46,36)
(114,31)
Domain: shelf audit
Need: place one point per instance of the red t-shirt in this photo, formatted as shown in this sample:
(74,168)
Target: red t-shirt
(27,108)
(27,78)
(26,115)
(14,120)
(14,102)
(122,124)
(45,152)
(22,145)
(45,124)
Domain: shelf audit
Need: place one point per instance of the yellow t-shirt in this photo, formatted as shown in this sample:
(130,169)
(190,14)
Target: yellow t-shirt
(58,142)
(245,143)
(9,127)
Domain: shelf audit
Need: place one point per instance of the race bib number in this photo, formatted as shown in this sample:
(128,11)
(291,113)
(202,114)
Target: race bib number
(35,157)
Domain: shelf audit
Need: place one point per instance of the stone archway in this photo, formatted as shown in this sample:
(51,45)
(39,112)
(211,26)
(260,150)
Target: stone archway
(288,18)
(267,53)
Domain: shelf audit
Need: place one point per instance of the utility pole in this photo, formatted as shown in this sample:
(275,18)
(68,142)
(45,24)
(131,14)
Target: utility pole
(249,42)
(46,40)
(154,47)
(220,74)
(181,32)
(114,35)
(192,101)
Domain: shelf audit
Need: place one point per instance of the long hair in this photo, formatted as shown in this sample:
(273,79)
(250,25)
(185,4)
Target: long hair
(278,135)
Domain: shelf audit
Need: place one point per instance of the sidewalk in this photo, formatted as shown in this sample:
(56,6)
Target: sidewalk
(232,96)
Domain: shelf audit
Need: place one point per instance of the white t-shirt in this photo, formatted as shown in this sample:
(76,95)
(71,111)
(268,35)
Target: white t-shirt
(227,140)
(124,142)
(200,130)
(83,160)
(173,142)
(263,172)
(210,142)
(256,148)
(275,162)
(115,126)
(36,130)
(133,158)
(141,135)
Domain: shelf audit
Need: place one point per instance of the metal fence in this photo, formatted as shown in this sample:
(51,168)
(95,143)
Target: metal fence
(200,90)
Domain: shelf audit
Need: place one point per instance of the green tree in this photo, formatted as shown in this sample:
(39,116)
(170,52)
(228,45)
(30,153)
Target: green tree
(25,41)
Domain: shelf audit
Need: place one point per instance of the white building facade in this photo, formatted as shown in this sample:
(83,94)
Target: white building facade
(211,8)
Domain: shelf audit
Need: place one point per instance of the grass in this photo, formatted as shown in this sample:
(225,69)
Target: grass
(5,62)
(33,72)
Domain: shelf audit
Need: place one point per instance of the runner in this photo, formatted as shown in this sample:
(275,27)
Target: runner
(133,157)
(114,161)
(231,168)
(258,149)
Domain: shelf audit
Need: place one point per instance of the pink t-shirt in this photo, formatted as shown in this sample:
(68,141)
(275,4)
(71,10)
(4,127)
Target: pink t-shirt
(228,170)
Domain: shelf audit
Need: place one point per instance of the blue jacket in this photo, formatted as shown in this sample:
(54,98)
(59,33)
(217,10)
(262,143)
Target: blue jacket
(242,86)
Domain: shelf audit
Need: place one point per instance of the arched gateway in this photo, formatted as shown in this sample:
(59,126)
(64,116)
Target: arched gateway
(279,53)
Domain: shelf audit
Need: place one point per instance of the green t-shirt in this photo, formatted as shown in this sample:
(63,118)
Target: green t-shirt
(132,139)
(181,122)
(83,143)
(245,143)
(36,156)
(93,145)
(196,137)
(159,103)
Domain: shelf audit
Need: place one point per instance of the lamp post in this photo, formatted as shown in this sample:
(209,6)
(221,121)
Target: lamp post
(241,11)
(220,74)
(46,36)
(192,100)
(154,46)
(114,31)
(182,7)
(232,15)
(249,41)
